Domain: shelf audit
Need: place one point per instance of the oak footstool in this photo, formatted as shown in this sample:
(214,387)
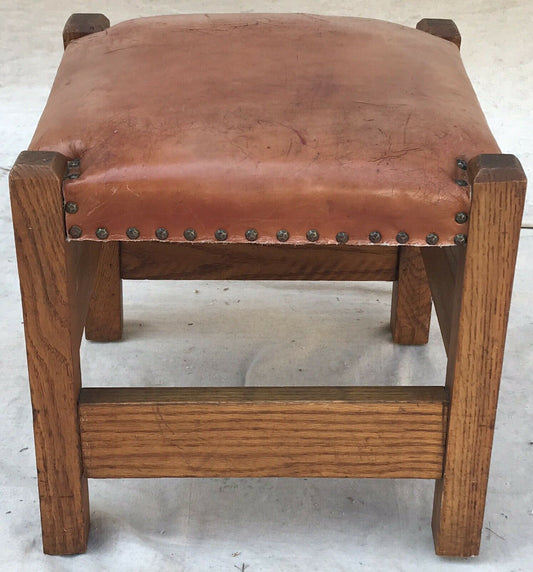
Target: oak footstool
(275,147)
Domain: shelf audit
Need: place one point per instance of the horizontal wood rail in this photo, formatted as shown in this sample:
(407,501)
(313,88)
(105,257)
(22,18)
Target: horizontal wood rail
(264,432)
(177,261)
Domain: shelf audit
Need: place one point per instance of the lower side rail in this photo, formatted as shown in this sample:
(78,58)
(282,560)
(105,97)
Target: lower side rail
(263,432)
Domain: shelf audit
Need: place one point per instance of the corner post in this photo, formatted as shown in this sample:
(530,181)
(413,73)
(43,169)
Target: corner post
(485,273)
(55,283)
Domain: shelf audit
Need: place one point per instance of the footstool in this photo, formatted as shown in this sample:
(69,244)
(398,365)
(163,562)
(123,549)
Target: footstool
(276,147)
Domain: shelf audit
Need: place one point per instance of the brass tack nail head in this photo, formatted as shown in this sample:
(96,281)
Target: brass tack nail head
(462,164)
(71,207)
(161,233)
(251,234)
(221,234)
(461,182)
(461,218)
(342,237)
(432,238)
(133,233)
(74,231)
(375,236)
(282,235)
(460,239)
(101,233)
(73,163)
(189,234)
(402,237)
(312,235)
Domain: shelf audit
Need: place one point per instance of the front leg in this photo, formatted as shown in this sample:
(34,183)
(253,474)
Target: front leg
(55,282)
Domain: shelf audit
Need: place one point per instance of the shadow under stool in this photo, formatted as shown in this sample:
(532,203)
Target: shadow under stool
(273,147)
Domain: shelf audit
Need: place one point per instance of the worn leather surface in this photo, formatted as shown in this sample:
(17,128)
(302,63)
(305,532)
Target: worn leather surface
(269,122)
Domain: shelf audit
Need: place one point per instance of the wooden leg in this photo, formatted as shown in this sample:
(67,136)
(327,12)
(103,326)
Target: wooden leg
(484,278)
(411,300)
(55,281)
(104,320)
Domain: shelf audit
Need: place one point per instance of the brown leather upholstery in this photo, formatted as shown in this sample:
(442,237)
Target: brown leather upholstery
(265,122)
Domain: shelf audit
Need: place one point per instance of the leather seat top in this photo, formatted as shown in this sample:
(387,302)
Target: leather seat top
(267,122)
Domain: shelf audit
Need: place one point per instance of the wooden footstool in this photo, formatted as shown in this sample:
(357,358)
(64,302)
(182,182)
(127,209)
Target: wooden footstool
(265,147)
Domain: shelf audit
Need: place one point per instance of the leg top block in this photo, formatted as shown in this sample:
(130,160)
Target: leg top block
(496,168)
(80,25)
(445,29)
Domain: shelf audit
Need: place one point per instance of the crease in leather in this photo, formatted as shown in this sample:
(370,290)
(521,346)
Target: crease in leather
(241,121)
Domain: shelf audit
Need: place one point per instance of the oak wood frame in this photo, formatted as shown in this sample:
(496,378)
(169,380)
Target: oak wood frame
(55,281)
(177,261)
(396,432)
(474,326)
(441,432)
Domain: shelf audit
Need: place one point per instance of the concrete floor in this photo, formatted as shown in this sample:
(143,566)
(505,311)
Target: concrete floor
(264,333)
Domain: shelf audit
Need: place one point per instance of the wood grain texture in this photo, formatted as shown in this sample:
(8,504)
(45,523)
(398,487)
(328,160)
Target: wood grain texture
(442,270)
(411,300)
(262,432)
(105,316)
(154,260)
(55,282)
(79,25)
(445,29)
(475,356)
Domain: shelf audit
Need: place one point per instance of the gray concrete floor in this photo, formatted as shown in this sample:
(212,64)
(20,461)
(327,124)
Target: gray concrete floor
(264,333)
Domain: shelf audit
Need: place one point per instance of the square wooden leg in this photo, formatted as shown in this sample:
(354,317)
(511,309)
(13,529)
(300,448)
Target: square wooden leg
(484,277)
(411,300)
(55,281)
(104,319)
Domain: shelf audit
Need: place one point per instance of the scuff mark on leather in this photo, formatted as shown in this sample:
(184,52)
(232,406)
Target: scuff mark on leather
(395,155)
(300,136)
(302,139)
(405,128)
